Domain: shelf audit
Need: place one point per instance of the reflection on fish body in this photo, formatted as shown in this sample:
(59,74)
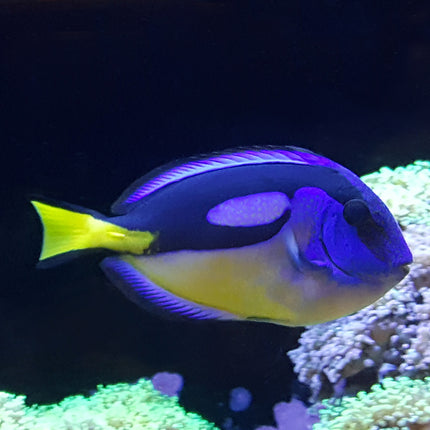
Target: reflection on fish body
(281,235)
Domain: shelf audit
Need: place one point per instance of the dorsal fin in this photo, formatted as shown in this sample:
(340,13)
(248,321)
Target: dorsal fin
(182,169)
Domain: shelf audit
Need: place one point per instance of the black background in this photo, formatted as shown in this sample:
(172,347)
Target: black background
(93,94)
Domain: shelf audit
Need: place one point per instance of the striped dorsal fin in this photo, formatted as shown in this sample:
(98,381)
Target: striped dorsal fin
(179,170)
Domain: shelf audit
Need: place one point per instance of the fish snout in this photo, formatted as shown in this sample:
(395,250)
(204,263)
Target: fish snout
(405,269)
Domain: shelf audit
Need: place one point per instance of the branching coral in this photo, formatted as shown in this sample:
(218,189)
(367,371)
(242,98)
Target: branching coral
(392,335)
(122,406)
(401,404)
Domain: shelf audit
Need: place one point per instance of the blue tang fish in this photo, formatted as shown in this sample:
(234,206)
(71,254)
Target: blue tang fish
(276,234)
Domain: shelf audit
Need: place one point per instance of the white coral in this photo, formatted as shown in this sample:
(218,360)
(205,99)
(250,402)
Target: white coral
(405,190)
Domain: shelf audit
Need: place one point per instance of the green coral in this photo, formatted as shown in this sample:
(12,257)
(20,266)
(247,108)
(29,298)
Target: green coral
(395,404)
(405,190)
(122,406)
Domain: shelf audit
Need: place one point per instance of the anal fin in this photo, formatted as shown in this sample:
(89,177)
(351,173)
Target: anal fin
(145,293)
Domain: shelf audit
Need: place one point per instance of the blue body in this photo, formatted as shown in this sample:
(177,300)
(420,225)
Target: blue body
(273,234)
(337,245)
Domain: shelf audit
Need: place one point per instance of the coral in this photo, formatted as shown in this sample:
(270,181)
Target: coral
(395,404)
(168,383)
(122,406)
(389,337)
(240,399)
(292,415)
(405,190)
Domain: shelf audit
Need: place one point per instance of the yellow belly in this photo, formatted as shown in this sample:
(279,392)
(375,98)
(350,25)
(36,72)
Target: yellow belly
(248,282)
(255,282)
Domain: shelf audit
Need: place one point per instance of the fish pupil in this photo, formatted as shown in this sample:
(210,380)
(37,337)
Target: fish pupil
(356,212)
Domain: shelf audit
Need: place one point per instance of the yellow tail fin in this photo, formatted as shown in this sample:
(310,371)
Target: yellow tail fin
(65,230)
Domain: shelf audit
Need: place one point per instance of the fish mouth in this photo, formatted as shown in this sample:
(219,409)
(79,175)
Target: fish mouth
(402,271)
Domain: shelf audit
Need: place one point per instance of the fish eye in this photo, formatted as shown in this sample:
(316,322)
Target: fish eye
(356,212)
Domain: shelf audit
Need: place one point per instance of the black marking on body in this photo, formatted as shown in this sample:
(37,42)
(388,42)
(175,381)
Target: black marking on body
(178,211)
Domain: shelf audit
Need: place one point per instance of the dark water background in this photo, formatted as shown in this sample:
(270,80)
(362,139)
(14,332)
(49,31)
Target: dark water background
(93,94)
